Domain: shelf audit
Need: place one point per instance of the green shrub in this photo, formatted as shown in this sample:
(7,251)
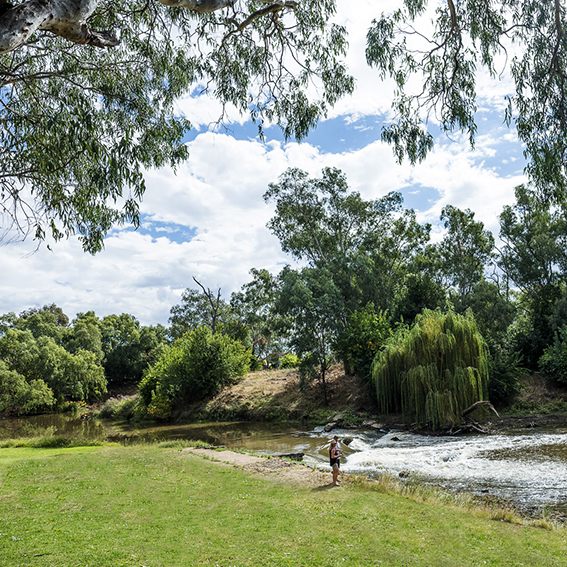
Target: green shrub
(363,337)
(159,406)
(115,408)
(254,363)
(195,367)
(505,371)
(553,362)
(289,360)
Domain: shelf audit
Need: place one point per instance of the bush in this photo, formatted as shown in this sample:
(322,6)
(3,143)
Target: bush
(44,364)
(364,335)
(195,367)
(254,363)
(289,360)
(115,408)
(21,397)
(553,362)
(505,370)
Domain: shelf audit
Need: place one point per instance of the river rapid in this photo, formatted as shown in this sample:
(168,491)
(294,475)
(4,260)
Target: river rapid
(526,466)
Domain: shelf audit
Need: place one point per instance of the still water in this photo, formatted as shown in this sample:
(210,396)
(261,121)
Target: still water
(526,466)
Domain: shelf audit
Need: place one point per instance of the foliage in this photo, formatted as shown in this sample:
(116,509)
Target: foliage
(433,371)
(435,67)
(534,254)
(81,124)
(85,334)
(464,252)
(365,245)
(196,366)
(365,333)
(419,291)
(128,347)
(529,335)
(493,309)
(204,308)
(553,362)
(118,408)
(61,319)
(311,300)
(254,307)
(505,370)
(21,397)
(289,360)
(68,376)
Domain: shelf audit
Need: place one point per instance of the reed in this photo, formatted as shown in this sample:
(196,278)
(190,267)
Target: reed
(434,371)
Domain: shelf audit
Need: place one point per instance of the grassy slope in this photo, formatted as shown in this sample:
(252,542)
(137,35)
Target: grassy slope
(274,395)
(134,506)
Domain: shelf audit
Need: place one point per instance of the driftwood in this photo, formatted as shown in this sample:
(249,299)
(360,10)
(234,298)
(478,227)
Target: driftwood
(478,405)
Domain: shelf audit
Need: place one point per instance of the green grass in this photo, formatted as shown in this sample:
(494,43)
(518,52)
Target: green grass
(149,506)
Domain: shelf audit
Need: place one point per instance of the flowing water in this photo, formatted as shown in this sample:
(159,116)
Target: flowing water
(529,467)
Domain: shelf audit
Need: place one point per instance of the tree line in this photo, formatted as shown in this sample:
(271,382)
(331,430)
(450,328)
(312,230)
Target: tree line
(370,277)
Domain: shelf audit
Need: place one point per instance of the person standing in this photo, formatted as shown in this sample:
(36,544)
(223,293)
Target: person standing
(335,461)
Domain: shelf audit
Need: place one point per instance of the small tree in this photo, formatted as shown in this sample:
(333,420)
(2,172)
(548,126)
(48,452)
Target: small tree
(196,366)
(314,304)
(433,371)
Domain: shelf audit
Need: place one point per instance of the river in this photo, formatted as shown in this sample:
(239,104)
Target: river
(527,466)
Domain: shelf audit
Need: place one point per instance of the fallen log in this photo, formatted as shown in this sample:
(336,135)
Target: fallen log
(478,405)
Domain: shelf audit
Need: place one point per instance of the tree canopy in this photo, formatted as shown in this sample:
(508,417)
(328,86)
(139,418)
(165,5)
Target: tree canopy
(436,67)
(84,112)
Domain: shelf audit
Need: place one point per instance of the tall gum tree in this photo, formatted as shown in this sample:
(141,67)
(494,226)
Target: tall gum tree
(88,91)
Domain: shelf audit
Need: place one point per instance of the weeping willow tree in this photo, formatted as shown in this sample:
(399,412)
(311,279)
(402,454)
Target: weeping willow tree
(434,371)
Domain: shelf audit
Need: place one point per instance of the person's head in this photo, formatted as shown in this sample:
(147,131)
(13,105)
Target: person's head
(336,438)
(333,444)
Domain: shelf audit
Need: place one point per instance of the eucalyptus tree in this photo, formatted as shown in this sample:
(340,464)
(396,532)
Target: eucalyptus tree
(254,305)
(365,245)
(312,300)
(465,252)
(129,348)
(534,250)
(435,66)
(88,92)
(204,308)
(533,255)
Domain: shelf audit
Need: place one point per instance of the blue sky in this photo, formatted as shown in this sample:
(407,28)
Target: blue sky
(208,221)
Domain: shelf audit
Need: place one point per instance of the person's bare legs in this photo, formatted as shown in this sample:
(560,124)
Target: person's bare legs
(336,475)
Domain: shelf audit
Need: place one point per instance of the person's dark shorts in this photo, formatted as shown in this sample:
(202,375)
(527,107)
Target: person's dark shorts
(335,462)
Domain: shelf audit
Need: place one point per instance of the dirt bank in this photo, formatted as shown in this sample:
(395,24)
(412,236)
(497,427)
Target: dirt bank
(276,395)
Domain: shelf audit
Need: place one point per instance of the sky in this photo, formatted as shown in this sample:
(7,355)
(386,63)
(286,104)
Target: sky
(209,219)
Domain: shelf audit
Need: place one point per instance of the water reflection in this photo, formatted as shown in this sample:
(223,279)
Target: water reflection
(527,466)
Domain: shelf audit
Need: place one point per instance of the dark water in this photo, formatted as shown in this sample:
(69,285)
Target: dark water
(529,467)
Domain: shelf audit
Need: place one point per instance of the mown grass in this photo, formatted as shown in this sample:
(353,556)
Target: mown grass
(160,507)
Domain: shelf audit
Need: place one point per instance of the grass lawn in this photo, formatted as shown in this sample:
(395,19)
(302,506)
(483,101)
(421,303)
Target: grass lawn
(150,506)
